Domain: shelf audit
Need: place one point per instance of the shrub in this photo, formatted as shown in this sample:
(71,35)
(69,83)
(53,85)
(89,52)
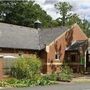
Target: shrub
(24,82)
(26,72)
(26,68)
(52,77)
(66,73)
(45,81)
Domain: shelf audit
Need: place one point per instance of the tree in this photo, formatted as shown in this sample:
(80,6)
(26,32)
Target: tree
(64,8)
(73,19)
(23,13)
(86,27)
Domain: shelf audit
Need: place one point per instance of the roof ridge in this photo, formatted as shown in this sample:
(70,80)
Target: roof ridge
(17,25)
(54,28)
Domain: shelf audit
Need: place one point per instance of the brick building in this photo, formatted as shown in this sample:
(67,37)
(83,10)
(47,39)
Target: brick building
(53,45)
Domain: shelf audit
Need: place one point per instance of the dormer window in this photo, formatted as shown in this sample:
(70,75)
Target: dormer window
(57,56)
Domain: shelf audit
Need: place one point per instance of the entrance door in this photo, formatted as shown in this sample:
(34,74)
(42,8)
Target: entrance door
(88,62)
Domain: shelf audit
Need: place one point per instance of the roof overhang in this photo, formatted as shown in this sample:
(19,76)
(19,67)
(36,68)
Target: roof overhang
(76,45)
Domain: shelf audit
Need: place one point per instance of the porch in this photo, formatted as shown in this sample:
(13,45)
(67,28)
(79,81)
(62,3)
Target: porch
(75,56)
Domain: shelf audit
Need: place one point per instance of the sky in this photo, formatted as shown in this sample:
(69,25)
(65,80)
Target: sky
(81,7)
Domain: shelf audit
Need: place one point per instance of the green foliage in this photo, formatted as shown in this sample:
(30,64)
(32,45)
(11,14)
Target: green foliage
(23,13)
(52,77)
(66,74)
(86,27)
(68,19)
(46,81)
(25,82)
(82,60)
(84,24)
(64,9)
(27,73)
(73,19)
(26,68)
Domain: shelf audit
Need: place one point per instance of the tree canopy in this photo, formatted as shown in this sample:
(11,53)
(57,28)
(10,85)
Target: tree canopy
(23,13)
(64,8)
(67,18)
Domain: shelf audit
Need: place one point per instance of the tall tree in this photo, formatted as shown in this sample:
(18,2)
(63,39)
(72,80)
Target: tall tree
(64,8)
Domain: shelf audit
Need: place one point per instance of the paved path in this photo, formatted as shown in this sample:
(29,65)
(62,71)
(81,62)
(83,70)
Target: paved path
(61,86)
(85,78)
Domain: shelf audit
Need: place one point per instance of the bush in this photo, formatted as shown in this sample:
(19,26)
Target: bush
(45,81)
(52,77)
(66,73)
(26,68)
(24,82)
(26,72)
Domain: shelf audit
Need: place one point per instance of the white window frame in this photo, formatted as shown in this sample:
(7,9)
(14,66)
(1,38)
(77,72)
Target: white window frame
(57,55)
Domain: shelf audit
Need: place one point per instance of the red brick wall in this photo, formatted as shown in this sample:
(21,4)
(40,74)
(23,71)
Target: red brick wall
(43,56)
(60,44)
(1,69)
(78,33)
(49,64)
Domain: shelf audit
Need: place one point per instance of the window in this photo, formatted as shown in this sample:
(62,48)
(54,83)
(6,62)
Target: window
(57,56)
(8,63)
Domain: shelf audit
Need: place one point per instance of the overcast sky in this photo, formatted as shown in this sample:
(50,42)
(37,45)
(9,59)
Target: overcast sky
(81,7)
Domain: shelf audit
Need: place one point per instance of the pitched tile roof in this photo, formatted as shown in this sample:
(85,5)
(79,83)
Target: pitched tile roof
(13,36)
